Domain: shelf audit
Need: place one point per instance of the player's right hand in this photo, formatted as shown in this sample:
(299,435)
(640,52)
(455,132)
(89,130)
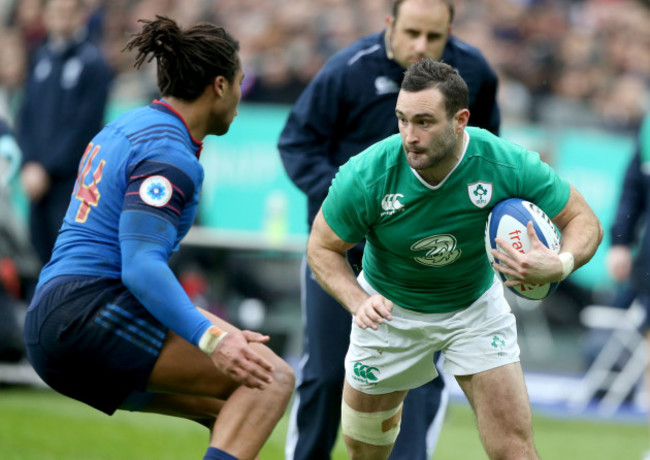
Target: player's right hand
(373,311)
(538,265)
(235,357)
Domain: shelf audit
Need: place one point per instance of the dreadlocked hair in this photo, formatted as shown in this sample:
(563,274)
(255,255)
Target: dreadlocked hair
(187,60)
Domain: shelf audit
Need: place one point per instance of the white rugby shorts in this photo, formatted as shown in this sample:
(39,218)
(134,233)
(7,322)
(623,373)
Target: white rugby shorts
(399,354)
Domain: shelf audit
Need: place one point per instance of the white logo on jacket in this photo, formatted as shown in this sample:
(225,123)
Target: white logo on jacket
(385,85)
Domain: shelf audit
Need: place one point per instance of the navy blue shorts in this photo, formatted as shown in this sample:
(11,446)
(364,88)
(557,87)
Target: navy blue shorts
(90,339)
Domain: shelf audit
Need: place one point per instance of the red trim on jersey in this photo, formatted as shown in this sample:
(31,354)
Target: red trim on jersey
(198,151)
(177,189)
(173,209)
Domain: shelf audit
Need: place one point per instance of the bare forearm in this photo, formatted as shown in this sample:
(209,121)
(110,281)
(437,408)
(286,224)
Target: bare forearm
(335,275)
(580,228)
(581,237)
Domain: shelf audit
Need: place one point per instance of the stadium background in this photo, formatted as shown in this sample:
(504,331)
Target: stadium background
(573,78)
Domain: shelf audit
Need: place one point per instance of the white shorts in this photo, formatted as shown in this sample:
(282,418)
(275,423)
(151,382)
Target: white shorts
(399,354)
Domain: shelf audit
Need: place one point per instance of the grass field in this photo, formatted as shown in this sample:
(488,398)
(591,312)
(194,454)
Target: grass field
(42,425)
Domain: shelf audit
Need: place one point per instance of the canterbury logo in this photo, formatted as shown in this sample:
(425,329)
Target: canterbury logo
(390,203)
(365,372)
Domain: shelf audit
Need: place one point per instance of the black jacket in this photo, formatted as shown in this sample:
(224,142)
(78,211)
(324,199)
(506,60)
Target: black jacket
(633,217)
(63,108)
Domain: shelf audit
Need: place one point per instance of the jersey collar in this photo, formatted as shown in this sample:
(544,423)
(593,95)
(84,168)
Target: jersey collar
(163,106)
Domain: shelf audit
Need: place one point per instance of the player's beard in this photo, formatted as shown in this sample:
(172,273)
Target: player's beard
(440,152)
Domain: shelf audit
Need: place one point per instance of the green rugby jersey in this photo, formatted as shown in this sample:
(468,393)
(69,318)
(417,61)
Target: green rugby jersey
(425,245)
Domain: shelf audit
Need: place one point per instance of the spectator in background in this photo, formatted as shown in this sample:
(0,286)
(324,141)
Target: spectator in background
(63,107)
(279,84)
(630,229)
(28,17)
(348,106)
(17,260)
(11,343)
(13,65)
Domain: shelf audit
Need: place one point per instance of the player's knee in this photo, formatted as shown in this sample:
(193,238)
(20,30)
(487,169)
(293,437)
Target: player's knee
(285,375)
(513,451)
(284,378)
(516,444)
(375,428)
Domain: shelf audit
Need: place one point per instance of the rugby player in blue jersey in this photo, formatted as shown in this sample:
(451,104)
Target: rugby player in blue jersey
(109,324)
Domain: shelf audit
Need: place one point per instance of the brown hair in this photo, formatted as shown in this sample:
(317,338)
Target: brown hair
(429,73)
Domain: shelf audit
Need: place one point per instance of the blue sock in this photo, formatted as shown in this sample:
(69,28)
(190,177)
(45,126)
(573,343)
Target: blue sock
(217,454)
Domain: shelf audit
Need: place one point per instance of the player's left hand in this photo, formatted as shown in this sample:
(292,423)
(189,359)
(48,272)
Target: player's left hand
(235,357)
(538,265)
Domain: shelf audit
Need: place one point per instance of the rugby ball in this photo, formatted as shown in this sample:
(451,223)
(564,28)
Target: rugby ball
(508,220)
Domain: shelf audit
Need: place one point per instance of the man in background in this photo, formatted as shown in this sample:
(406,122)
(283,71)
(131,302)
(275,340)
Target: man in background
(347,107)
(630,231)
(65,97)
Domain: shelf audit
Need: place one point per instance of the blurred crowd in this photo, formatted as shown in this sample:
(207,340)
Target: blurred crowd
(560,62)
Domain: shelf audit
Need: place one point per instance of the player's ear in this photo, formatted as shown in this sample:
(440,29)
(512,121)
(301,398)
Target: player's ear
(388,38)
(220,85)
(461,119)
(390,20)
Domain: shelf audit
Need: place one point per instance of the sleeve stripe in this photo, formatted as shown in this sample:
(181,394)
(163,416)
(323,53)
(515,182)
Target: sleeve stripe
(178,190)
(173,209)
(154,129)
(155,138)
(176,193)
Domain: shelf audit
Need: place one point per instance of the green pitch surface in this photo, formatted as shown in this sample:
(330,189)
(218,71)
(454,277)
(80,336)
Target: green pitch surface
(43,425)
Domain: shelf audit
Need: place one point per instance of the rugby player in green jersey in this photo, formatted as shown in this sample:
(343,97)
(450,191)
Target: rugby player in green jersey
(421,199)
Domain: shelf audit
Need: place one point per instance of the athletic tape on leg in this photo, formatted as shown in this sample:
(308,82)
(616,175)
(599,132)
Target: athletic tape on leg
(376,428)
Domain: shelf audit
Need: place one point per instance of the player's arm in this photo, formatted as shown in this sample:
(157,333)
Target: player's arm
(156,194)
(580,229)
(146,241)
(326,255)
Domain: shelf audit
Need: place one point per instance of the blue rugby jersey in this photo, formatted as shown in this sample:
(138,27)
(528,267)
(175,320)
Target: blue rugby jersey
(145,160)
(135,198)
